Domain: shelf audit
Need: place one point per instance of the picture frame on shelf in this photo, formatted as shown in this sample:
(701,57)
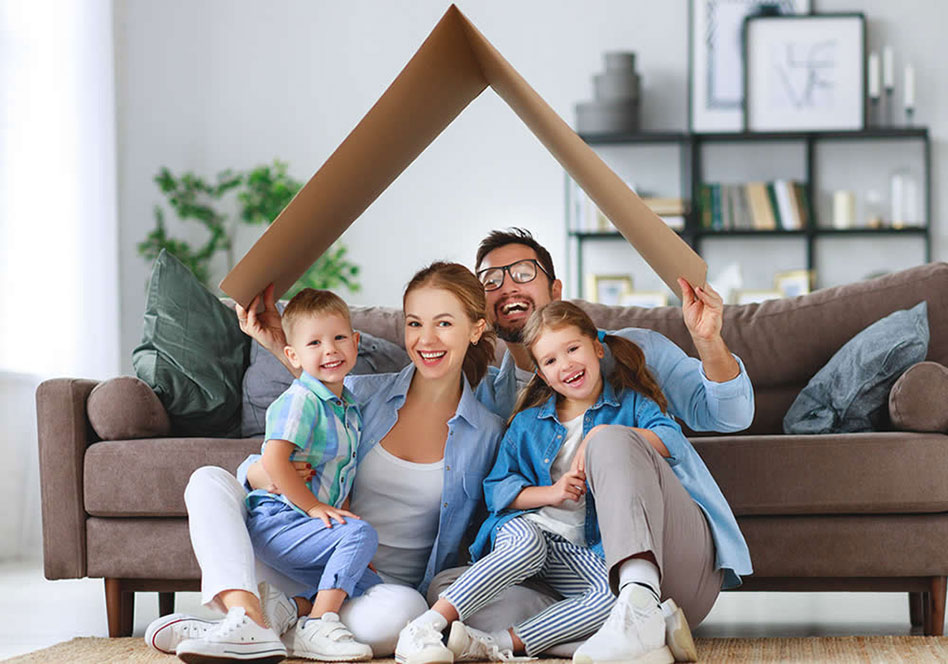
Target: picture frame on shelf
(746,296)
(805,73)
(715,62)
(609,288)
(644,299)
(793,282)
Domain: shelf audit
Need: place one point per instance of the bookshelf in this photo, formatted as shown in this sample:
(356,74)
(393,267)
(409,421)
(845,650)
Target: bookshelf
(692,148)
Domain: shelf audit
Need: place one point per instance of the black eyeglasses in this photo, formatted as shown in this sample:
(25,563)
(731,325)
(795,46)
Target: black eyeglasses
(521,272)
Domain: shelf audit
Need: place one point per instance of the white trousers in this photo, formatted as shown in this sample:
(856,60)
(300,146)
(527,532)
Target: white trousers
(217,522)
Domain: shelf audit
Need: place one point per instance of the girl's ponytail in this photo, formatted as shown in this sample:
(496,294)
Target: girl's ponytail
(630,370)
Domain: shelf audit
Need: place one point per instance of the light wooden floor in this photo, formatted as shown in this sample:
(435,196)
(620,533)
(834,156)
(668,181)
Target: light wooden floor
(37,613)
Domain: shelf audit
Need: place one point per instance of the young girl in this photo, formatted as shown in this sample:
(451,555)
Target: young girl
(542,522)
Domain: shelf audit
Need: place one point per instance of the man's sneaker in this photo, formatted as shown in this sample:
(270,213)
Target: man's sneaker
(328,640)
(677,633)
(236,638)
(279,611)
(634,632)
(473,645)
(421,644)
(167,632)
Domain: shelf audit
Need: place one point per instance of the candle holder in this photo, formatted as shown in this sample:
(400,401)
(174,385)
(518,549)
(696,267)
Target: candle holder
(889,107)
(909,116)
(875,118)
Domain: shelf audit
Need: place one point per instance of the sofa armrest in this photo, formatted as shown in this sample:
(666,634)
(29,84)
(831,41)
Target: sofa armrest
(918,401)
(64,434)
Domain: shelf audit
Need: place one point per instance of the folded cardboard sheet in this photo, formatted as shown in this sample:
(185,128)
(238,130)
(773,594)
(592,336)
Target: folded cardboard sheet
(452,67)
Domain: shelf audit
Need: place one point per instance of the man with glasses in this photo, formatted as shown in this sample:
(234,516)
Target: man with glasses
(708,393)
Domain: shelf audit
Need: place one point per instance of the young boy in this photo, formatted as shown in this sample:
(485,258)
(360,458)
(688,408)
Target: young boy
(306,532)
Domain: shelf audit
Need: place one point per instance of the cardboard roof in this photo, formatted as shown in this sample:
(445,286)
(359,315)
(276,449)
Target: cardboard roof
(452,67)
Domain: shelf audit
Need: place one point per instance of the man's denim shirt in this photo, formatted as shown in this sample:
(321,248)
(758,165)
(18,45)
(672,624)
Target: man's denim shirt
(700,403)
(535,436)
(473,436)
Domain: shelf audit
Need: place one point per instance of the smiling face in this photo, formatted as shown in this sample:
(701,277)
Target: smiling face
(438,332)
(568,361)
(510,306)
(325,347)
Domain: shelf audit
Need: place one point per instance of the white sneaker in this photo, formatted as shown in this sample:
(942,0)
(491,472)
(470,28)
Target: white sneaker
(469,644)
(279,611)
(677,633)
(328,640)
(165,633)
(634,633)
(421,644)
(236,638)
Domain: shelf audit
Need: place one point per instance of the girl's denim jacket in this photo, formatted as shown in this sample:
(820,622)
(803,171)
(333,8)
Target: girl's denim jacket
(534,438)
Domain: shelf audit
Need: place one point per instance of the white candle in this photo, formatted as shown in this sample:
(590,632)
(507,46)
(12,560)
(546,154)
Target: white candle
(888,68)
(873,75)
(909,86)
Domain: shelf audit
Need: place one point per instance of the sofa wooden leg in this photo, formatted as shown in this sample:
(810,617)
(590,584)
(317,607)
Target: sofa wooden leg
(119,607)
(935,623)
(915,609)
(165,603)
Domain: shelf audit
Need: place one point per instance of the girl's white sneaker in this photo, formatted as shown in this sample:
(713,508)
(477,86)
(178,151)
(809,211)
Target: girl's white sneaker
(469,644)
(421,644)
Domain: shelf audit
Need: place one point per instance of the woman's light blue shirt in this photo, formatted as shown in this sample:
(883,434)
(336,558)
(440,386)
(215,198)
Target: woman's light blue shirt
(536,435)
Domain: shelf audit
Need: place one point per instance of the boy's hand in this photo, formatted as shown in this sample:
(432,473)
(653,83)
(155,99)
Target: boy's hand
(572,486)
(327,513)
(264,326)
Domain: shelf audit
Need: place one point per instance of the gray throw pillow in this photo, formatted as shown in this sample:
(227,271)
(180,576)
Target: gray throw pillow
(850,393)
(192,353)
(266,378)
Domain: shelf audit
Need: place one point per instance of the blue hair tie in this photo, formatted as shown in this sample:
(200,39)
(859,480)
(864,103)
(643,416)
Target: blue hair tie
(602,335)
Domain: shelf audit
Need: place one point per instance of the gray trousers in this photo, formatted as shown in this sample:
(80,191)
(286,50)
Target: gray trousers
(642,507)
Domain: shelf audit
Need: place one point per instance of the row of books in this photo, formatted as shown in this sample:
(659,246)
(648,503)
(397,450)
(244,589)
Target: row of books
(766,206)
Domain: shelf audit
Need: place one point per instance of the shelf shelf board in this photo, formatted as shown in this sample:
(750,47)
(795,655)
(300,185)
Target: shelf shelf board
(905,230)
(611,235)
(637,137)
(632,138)
(751,232)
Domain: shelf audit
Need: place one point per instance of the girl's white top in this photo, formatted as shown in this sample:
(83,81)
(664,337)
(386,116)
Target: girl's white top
(569,519)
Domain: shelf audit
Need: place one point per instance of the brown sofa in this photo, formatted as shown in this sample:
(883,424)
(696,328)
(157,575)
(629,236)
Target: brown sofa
(863,511)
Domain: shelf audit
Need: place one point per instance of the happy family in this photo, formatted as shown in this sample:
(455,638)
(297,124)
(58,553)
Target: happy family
(592,526)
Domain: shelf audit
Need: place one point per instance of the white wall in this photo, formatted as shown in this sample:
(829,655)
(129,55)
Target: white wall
(221,83)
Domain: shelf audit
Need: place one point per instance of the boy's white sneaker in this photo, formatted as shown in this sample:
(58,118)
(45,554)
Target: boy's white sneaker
(279,611)
(678,636)
(326,639)
(473,645)
(634,632)
(236,638)
(165,633)
(421,644)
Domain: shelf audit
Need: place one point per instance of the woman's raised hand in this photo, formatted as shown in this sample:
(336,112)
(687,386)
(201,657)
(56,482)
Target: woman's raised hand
(264,326)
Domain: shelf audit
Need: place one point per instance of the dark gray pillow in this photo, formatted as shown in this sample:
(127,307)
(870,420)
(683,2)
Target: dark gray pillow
(850,393)
(266,378)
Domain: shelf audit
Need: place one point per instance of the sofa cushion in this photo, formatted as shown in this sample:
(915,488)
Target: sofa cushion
(890,472)
(147,477)
(125,407)
(192,354)
(266,378)
(850,392)
(919,399)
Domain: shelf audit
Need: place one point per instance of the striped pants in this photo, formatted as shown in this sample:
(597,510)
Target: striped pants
(522,550)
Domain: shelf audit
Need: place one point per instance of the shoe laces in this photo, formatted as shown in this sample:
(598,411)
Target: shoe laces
(235,618)
(425,634)
(483,645)
(190,629)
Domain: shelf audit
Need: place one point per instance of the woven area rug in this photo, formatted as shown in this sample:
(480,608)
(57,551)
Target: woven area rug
(829,650)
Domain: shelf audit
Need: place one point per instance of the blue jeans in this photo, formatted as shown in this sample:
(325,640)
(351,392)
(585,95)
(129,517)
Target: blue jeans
(308,552)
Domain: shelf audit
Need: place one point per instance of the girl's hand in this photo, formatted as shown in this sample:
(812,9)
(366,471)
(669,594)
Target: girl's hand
(327,514)
(264,327)
(703,311)
(572,486)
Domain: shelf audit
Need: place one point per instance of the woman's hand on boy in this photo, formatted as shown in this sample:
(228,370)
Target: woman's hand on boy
(327,513)
(258,478)
(571,486)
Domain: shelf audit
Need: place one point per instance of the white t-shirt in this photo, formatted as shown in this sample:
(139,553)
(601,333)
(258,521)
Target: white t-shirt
(569,519)
(402,501)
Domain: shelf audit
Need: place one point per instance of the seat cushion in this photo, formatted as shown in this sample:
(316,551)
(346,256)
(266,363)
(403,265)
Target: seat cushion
(865,473)
(147,477)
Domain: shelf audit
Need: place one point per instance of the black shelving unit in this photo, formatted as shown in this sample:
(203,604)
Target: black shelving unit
(691,152)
